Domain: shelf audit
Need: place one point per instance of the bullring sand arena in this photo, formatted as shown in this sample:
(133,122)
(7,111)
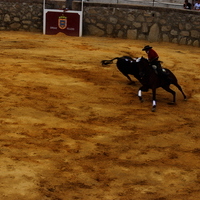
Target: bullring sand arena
(72,129)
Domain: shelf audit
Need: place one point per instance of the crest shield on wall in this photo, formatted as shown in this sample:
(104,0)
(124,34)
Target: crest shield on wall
(62,22)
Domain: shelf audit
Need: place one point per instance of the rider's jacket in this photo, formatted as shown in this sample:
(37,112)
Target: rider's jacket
(152,55)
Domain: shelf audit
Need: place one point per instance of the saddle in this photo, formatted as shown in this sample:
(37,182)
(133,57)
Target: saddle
(159,70)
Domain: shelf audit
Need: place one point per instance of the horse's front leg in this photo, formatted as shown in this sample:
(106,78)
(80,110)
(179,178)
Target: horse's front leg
(140,95)
(154,100)
(142,89)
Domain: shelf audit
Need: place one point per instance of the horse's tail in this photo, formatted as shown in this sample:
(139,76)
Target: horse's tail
(107,62)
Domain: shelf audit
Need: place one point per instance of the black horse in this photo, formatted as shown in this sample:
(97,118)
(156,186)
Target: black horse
(126,65)
(151,80)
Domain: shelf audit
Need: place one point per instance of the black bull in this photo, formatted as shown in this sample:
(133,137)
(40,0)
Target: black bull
(146,75)
(126,65)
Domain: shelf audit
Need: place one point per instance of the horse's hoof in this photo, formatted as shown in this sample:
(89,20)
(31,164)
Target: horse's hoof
(153,108)
(141,99)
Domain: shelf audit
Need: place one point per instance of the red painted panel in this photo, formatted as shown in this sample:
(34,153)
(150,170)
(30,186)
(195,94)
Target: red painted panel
(67,23)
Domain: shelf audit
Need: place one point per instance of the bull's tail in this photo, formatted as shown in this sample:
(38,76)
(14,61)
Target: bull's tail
(107,62)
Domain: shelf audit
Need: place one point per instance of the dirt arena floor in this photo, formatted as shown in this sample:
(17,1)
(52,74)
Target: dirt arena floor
(72,129)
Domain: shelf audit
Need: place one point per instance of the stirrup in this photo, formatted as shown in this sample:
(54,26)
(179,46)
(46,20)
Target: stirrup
(154,67)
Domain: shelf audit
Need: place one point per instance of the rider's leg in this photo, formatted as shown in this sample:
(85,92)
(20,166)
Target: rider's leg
(154,66)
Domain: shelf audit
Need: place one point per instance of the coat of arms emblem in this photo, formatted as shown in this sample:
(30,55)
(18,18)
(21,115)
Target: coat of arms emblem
(62,22)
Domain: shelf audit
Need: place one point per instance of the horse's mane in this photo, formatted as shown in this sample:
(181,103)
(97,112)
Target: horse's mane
(143,65)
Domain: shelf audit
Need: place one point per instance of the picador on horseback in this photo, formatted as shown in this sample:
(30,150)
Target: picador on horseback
(154,62)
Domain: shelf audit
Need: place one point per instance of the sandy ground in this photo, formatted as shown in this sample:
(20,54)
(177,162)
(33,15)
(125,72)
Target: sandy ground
(72,129)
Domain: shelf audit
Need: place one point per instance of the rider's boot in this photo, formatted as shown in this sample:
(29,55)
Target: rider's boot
(155,68)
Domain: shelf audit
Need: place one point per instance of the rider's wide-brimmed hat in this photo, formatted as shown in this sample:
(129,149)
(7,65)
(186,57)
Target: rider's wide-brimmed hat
(146,48)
